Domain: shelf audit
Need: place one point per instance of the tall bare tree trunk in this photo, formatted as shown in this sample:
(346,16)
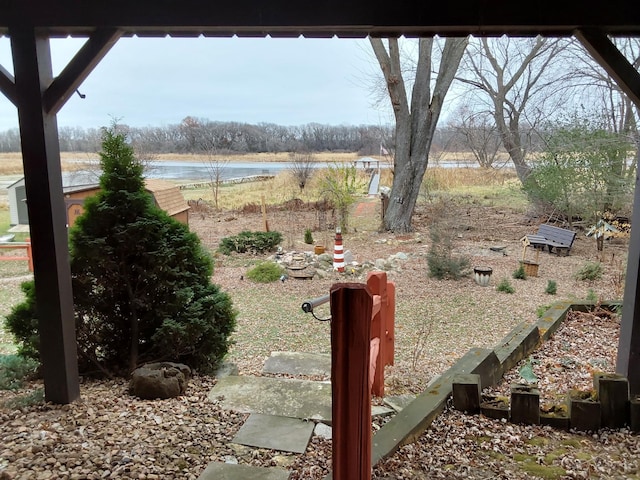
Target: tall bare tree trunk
(415,122)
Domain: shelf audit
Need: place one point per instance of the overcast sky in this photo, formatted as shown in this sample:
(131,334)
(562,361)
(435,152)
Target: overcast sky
(159,81)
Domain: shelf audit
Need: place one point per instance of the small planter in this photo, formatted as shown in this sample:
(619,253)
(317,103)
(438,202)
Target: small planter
(482,275)
(584,411)
(530,268)
(555,416)
(495,407)
(318,249)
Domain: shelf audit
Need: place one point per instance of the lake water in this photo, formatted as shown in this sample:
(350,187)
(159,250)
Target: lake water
(178,170)
(198,171)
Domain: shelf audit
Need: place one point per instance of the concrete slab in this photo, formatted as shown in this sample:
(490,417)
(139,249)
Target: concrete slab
(282,397)
(295,363)
(227,471)
(275,433)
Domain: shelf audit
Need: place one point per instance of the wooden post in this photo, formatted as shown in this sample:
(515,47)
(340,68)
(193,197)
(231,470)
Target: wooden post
(264,215)
(525,404)
(377,283)
(47,215)
(613,393)
(351,305)
(466,392)
(390,337)
(29,254)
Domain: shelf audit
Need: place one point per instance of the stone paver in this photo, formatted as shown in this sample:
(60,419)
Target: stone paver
(227,471)
(275,433)
(295,363)
(282,397)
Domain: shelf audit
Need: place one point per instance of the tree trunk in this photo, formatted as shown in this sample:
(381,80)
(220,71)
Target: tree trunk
(135,329)
(415,123)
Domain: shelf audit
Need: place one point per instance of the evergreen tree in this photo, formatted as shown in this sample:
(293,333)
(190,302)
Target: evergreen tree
(141,280)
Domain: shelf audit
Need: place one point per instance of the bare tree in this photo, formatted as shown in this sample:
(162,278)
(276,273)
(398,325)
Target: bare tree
(479,134)
(302,168)
(216,167)
(515,78)
(416,118)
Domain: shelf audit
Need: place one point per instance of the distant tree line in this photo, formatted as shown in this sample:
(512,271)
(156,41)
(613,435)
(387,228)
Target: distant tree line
(194,135)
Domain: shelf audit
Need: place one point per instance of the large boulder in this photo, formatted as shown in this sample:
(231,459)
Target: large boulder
(159,380)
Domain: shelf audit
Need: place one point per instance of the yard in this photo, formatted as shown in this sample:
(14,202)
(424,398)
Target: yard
(437,321)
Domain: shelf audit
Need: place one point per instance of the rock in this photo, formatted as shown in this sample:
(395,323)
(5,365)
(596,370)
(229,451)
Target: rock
(323,431)
(400,256)
(159,380)
(348,257)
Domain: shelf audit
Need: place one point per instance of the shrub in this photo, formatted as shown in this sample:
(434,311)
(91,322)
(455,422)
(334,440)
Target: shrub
(308,237)
(590,271)
(519,273)
(505,286)
(22,322)
(14,369)
(552,287)
(254,242)
(35,397)
(141,281)
(592,296)
(265,272)
(442,264)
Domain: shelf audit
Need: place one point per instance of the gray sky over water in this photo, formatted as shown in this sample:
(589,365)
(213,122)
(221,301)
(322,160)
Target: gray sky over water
(159,81)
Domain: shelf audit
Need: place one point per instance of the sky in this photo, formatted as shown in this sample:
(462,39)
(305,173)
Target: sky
(159,81)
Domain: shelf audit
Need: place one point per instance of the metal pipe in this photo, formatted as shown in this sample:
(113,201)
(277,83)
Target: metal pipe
(309,305)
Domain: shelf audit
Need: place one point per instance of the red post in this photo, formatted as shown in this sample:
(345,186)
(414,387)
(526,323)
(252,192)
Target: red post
(390,336)
(377,283)
(351,306)
(29,254)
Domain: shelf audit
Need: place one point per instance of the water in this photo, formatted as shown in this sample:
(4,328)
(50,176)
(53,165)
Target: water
(202,172)
(178,170)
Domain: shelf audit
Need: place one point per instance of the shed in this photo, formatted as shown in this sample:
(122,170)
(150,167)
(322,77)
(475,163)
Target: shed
(166,195)
(18,203)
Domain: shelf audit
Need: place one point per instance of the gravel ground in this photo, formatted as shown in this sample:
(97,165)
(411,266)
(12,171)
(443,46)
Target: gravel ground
(109,434)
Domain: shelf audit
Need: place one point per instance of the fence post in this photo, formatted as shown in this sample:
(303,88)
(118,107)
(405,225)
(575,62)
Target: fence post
(29,254)
(377,283)
(351,306)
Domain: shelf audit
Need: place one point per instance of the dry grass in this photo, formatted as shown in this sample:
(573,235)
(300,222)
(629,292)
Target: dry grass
(11,163)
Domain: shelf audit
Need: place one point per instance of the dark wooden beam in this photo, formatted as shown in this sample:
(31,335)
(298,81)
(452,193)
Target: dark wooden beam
(79,68)
(628,362)
(612,60)
(47,218)
(361,17)
(7,85)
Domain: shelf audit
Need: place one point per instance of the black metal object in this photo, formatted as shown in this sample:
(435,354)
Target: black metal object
(288,18)
(309,305)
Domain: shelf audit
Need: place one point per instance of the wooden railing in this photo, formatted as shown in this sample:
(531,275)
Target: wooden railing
(15,246)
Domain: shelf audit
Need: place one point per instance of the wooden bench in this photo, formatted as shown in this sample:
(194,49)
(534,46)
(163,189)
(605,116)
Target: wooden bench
(552,237)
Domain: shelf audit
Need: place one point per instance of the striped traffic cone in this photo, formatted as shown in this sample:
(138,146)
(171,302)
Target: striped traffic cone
(338,253)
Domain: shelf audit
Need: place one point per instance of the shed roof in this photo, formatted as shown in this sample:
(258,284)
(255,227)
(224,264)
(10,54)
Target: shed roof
(167,195)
